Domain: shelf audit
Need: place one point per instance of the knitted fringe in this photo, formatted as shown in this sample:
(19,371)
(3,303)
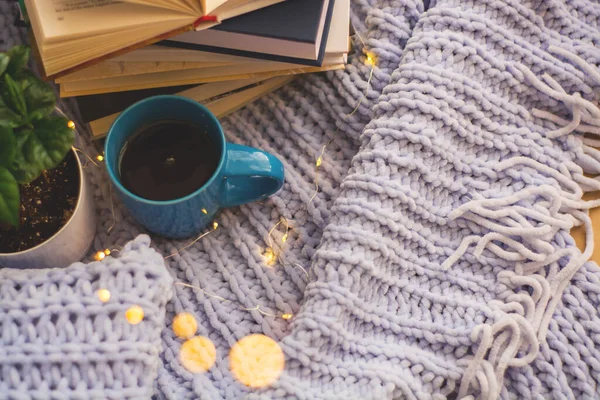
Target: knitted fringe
(521,227)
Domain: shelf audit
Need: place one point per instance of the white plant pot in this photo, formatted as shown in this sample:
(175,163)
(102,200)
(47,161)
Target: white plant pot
(69,244)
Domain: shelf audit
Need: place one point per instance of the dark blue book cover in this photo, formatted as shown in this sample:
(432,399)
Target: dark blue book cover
(291,20)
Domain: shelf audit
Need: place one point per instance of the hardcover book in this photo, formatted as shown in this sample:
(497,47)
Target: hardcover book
(294,31)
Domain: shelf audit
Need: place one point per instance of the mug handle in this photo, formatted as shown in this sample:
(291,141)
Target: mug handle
(249,174)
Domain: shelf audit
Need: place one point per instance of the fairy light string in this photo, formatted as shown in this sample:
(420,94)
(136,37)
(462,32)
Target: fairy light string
(187,246)
(370,60)
(241,306)
(135,314)
(271,255)
(88,159)
(100,157)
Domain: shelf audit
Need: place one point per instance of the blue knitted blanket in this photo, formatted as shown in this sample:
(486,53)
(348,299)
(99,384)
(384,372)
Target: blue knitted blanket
(435,260)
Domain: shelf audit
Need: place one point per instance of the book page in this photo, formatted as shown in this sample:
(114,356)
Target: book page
(208,6)
(188,77)
(234,8)
(111,69)
(189,6)
(60,20)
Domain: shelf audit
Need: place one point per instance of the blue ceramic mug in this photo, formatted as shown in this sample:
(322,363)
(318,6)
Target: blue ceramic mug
(243,174)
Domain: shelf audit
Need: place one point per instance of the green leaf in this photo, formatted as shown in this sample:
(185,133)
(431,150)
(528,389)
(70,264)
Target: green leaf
(8,146)
(23,170)
(4,60)
(8,117)
(39,96)
(13,96)
(44,147)
(19,56)
(9,198)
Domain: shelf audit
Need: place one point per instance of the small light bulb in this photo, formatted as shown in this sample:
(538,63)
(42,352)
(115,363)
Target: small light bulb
(284,237)
(185,325)
(287,316)
(198,354)
(269,256)
(103,295)
(71,125)
(99,256)
(319,161)
(100,157)
(134,315)
(215,225)
(370,59)
(204,211)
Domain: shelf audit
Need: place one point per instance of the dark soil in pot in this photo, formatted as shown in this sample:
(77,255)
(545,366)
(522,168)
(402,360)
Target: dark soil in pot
(46,205)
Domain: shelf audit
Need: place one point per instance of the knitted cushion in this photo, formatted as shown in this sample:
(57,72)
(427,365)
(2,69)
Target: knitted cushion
(59,340)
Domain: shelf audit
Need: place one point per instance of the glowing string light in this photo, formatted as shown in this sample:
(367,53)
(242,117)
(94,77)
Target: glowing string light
(185,325)
(99,158)
(371,60)
(134,315)
(270,256)
(71,125)
(88,158)
(102,254)
(256,361)
(103,295)
(281,219)
(239,305)
(215,226)
(198,354)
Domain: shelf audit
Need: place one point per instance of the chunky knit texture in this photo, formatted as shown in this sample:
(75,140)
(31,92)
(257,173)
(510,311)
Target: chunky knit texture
(420,285)
(59,341)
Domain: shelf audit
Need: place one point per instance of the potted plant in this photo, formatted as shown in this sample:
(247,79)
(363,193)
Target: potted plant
(47,216)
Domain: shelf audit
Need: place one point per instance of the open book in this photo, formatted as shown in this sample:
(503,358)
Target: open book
(72,34)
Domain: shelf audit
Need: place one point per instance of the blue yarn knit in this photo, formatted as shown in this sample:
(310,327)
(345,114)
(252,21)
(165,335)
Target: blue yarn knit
(440,258)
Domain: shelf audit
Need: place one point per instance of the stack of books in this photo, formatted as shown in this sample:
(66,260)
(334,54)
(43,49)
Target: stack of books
(109,54)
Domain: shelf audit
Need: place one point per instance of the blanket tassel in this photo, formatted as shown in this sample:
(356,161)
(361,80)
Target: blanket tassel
(521,228)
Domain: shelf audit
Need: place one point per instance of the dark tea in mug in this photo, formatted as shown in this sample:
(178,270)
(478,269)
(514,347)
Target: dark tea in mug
(167,160)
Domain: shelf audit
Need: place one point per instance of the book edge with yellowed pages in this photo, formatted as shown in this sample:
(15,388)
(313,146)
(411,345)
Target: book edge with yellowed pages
(221,98)
(109,69)
(71,89)
(48,77)
(118,69)
(75,66)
